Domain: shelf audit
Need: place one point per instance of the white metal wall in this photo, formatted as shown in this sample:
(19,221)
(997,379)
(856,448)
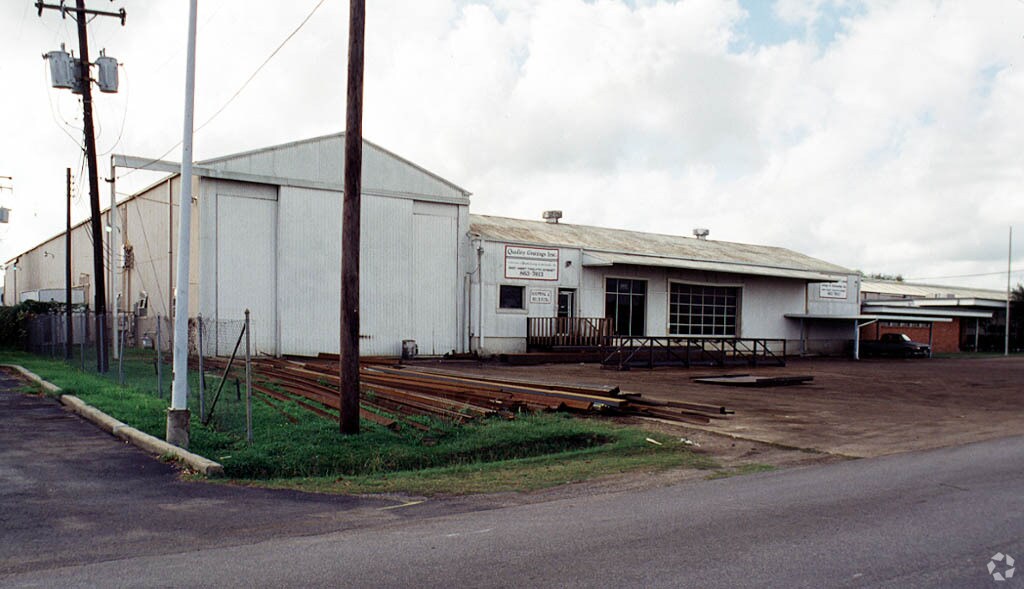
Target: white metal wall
(408,273)
(246,264)
(764,300)
(434,286)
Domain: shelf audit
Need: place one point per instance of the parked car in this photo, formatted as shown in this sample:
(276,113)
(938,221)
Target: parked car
(895,344)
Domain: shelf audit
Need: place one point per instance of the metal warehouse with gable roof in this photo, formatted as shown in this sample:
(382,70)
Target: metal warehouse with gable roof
(267,238)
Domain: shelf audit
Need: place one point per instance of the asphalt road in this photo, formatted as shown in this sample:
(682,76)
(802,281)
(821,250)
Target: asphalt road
(927,519)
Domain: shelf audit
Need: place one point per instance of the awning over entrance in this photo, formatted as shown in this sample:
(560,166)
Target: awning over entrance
(592,258)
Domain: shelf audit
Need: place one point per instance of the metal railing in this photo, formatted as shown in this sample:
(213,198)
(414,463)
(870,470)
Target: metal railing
(574,332)
(646,351)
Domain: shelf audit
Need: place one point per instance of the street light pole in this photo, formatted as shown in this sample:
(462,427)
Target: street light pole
(178,415)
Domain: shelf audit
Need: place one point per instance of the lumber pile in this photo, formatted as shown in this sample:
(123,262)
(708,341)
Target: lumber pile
(392,394)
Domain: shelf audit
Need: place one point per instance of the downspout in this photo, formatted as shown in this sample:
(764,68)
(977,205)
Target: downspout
(856,336)
(977,328)
(479,283)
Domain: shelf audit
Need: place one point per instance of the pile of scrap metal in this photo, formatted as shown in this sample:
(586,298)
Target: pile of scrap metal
(393,393)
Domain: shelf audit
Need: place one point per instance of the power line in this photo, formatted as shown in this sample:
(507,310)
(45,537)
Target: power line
(240,88)
(124,114)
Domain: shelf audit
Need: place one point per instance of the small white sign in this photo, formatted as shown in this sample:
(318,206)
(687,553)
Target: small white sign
(531,263)
(542,296)
(832,290)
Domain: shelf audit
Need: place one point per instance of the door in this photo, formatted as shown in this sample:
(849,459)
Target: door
(626,305)
(566,302)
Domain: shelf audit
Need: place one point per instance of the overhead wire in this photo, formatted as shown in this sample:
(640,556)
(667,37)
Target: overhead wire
(124,113)
(240,88)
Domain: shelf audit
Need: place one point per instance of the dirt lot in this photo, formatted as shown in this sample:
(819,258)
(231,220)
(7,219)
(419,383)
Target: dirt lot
(853,409)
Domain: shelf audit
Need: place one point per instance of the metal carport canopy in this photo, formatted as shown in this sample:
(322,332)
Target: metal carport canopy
(593,258)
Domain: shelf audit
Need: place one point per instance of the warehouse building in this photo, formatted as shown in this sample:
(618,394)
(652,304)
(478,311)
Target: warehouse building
(951,318)
(654,285)
(266,237)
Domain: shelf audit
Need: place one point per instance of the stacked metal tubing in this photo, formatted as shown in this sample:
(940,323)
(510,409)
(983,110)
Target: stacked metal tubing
(391,394)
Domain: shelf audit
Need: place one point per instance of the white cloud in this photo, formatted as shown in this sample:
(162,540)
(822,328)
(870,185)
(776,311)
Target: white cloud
(889,144)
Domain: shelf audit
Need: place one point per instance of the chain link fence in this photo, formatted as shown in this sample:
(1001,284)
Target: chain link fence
(140,351)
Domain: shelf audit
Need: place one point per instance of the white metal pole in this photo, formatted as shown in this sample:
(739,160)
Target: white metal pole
(179,390)
(1009,262)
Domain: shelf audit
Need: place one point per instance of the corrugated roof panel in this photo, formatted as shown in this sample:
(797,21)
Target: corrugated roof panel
(929,291)
(599,241)
(596,259)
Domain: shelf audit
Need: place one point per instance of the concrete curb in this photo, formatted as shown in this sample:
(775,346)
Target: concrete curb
(123,431)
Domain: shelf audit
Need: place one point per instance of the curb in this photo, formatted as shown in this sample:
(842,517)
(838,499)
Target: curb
(150,444)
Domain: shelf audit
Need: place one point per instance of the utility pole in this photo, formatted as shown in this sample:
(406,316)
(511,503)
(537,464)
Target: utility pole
(1009,264)
(81,14)
(68,329)
(178,415)
(349,405)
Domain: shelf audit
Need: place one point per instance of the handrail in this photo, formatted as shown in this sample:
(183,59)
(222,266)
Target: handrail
(582,332)
(651,351)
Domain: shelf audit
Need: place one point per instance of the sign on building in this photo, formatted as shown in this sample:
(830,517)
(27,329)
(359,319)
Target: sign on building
(542,296)
(531,263)
(832,290)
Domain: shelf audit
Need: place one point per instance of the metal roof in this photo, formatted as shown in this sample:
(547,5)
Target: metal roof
(224,162)
(828,317)
(916,312)
(928,291)
(604,246)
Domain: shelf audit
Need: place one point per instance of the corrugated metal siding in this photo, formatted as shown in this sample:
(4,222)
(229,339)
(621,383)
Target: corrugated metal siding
(310,272)
(435,278)
(308,267)
(386,290)
(246,265)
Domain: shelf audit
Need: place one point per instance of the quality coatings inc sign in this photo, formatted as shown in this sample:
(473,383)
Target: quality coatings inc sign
(531,263)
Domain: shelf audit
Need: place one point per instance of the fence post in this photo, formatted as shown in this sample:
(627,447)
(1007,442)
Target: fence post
(202,374)
(120,348)
(248,383)
(84,334)
(159,362)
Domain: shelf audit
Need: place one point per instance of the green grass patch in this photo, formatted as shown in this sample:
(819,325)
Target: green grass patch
(297,449)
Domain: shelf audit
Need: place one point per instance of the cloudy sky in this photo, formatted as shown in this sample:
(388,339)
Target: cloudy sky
(885,136)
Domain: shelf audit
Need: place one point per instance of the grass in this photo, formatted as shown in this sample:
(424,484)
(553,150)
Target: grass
(530,452)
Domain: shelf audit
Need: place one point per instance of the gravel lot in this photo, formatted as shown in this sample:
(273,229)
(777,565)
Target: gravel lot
(855,409)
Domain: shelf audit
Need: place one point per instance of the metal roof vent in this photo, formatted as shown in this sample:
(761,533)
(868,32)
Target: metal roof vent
(701,233)
(552,216)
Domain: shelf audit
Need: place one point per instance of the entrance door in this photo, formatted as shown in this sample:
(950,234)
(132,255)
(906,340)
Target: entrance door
(566,302)
(626,305)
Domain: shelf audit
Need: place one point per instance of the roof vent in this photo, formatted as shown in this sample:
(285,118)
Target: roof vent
(552,216)
(701,233)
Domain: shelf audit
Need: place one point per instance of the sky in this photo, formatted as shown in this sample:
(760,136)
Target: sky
(884,136)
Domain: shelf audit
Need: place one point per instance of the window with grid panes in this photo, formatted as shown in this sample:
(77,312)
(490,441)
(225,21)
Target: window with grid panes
(696,309)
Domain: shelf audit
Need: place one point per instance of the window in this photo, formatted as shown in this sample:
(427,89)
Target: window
(511,297)
(625,302)
(702,310)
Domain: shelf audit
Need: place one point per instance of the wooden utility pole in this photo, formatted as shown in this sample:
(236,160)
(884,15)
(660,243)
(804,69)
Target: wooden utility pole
(68,329)
(94,192)
(99,273)
(349,414)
